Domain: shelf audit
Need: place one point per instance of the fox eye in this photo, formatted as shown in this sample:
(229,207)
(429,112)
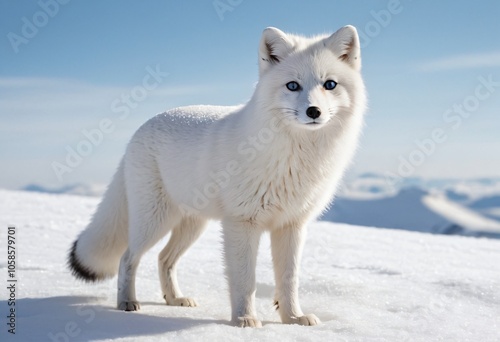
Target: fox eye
(293,86)
(330,85)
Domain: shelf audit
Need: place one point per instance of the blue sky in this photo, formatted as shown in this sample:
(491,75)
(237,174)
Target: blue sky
(432,71)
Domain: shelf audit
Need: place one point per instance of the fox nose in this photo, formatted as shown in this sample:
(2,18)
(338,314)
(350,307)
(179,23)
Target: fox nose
(313,112)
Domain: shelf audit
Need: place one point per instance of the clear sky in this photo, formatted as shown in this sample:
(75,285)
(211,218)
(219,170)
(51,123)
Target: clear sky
(70,68)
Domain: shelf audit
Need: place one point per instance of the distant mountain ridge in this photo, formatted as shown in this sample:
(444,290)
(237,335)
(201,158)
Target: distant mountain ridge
(413,209)
(438,206)
(73,189)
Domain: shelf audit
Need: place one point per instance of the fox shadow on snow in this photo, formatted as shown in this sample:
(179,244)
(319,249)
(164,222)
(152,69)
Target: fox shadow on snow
(73,318)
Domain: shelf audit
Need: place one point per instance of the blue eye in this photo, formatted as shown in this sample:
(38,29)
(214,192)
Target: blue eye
(293,86)
(330,85)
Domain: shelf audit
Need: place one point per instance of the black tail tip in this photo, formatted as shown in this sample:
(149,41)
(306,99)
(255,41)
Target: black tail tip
(78,270)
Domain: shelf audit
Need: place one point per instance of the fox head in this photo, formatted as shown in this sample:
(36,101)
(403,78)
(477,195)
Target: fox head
(311,83)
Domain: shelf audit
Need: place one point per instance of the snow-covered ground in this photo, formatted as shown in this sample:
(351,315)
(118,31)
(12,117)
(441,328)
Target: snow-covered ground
(364,284)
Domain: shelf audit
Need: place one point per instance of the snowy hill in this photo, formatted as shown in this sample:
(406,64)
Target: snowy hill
(364,284)
(489,206)
(486,202)
(413,209)
(405,210)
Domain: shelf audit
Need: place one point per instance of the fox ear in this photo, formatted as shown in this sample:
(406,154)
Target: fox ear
(274,47)
(345,45)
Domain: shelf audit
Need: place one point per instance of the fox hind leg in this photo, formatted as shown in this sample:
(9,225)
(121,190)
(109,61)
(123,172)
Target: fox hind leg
(151,217)
(126,282)
(183,236)
(147,231)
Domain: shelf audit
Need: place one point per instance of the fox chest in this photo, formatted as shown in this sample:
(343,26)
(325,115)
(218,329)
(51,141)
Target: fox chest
(280,192)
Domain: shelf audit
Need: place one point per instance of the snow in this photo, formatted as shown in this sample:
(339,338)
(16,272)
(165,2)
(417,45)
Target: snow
(364,284)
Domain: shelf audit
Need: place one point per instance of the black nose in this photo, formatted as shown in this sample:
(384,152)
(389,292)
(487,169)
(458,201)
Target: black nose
(313,112)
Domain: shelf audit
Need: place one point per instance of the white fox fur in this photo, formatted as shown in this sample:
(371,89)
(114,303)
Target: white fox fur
(272,165)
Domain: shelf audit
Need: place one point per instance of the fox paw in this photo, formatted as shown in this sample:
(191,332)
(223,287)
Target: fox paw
(131,305)
(251,322)
(308,320)
(182,301)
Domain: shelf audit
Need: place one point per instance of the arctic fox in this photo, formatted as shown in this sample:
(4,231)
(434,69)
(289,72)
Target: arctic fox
(271,165)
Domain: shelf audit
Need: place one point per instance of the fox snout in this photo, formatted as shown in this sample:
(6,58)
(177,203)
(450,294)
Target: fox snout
(313,112)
